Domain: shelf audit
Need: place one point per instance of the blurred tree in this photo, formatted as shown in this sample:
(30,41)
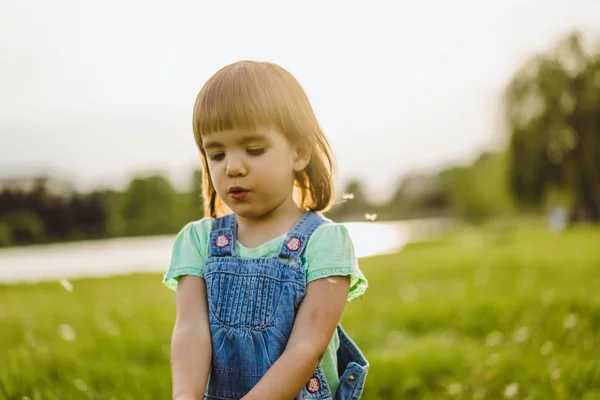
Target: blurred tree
(91,216)
(25,225)
(5,234)
(196,207)
(479,190)
(552,107)
(149,206)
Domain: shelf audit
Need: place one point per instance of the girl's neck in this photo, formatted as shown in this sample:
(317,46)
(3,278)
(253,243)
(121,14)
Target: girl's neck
(252,232)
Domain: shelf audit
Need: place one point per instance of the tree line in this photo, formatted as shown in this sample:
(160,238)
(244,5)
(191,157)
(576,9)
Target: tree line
(152,206)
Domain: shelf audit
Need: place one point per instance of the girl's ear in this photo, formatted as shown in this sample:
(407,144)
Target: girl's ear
(302,155)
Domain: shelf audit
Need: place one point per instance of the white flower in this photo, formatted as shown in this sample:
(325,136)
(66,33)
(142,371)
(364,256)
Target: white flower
(454,389)
(492,359)
(80,385)
(494,338)
(570,321)
(511,390)
(521,335)
(546,348)
(67,333)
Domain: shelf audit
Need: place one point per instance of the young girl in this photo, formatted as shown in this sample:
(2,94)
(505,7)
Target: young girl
(262,280)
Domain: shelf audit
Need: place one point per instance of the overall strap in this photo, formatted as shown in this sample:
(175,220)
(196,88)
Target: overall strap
(295,241)
(222,236)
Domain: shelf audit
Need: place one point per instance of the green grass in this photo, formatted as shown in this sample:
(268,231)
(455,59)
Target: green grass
(475,315)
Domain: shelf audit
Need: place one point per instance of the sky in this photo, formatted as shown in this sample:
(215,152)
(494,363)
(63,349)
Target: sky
(97,92)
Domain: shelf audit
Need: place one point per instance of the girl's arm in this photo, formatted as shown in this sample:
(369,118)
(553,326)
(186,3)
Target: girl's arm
(191,346)
(315,324)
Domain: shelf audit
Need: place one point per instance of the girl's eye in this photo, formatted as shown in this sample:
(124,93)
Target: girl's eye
(216,156)
(256,151)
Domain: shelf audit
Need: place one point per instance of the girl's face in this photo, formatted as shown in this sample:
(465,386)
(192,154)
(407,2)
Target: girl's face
(253,170)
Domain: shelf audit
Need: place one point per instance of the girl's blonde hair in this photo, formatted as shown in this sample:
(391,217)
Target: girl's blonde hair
(248,95)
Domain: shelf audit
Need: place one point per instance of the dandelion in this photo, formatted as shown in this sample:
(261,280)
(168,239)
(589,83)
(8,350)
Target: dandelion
(370,217)
(454,389)
(492,359)
(546,348)
(109,327)
(348,196)
(570,321)
(66,332)
(80,385)
(494,339)
(511,390)
(521,335)
(66,285)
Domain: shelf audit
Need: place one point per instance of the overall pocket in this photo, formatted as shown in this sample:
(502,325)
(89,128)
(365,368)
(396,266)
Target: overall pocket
(243,301)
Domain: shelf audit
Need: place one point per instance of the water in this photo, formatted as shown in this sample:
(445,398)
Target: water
(123,256)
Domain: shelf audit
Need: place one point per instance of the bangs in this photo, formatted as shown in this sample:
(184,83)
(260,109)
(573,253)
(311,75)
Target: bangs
(245,96)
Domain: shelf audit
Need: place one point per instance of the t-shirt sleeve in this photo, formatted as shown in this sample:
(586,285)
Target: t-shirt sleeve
(330,252)
(190,251)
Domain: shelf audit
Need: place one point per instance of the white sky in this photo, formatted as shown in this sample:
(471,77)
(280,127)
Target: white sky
(96,91)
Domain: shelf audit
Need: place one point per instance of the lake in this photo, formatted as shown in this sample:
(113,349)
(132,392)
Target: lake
(120,256)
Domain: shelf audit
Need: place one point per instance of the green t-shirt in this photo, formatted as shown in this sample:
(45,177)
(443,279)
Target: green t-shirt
(329,252)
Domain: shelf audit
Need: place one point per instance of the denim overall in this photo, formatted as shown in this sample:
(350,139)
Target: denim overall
(252,305)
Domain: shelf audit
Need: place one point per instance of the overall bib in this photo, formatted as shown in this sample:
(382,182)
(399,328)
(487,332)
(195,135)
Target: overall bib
(252,306)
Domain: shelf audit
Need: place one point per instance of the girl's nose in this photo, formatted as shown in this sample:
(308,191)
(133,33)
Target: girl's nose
(236,167)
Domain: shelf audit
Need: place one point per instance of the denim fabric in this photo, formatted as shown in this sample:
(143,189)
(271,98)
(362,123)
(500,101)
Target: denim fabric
(252,305)
(353,368)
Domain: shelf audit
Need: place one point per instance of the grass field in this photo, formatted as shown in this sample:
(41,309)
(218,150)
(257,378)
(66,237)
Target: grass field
(489,314)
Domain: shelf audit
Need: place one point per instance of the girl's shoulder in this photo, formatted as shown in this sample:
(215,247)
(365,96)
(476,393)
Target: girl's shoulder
(195,234)
(330,232)
(330,252)
(330,240)
(190,250)
(201,228)
(203,223)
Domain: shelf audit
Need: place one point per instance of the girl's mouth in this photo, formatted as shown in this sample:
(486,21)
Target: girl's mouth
(238,193)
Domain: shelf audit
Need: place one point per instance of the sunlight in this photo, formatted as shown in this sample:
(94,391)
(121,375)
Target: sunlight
(376,238)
